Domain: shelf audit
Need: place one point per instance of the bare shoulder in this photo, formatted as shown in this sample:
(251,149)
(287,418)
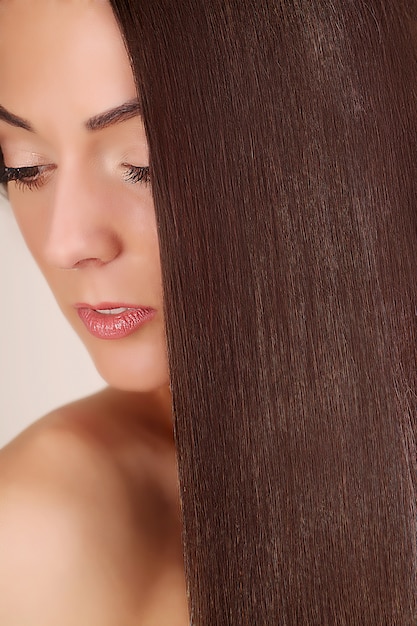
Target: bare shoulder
(88,520)
(96,442)
(92,451)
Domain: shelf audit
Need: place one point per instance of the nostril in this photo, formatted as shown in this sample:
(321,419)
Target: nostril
(83,249)
(85,262)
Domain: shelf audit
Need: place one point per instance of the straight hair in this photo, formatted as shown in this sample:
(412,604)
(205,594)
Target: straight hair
(282,153)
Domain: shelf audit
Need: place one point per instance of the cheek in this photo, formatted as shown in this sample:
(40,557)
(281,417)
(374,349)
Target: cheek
(31,222)
(141,236)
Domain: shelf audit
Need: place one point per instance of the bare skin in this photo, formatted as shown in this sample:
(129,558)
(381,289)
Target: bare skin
(90,527)
(90,531)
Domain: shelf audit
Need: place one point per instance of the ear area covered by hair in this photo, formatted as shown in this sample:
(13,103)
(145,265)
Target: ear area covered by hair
(281,140)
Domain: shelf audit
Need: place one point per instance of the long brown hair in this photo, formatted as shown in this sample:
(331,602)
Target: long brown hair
(282,148)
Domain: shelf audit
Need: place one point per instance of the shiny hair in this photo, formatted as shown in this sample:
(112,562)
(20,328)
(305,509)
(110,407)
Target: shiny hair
(282,145)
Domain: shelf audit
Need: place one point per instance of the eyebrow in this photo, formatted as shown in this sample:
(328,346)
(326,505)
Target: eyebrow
(14,120)
(121,113)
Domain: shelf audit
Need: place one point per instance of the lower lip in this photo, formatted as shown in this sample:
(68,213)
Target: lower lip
(117,326)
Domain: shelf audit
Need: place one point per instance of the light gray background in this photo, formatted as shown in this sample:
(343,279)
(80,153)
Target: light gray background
(42,362)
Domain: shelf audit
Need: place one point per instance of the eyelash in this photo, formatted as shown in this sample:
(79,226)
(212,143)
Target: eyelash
(135,174)
(25,177)
(33,177)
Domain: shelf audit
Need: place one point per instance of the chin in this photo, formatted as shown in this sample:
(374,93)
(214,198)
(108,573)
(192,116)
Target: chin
(140,382)
(130,365)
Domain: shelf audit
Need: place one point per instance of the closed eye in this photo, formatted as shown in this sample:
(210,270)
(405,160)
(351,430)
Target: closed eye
(135,174)
(30,177)
(34,176)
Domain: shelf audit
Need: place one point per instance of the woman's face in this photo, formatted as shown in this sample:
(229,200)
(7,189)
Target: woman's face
(73,138)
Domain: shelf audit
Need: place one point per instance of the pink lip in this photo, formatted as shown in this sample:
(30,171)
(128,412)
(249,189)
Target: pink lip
(117,325)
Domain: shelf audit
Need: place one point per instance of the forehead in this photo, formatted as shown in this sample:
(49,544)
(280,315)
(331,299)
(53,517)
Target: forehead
(34,17)
(66,53)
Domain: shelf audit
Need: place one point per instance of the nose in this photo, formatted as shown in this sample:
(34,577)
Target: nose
(80,230)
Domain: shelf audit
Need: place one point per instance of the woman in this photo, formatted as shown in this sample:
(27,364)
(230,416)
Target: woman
(282,172)
(90,529)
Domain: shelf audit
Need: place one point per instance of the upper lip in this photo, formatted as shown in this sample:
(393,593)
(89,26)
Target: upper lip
(109,305)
